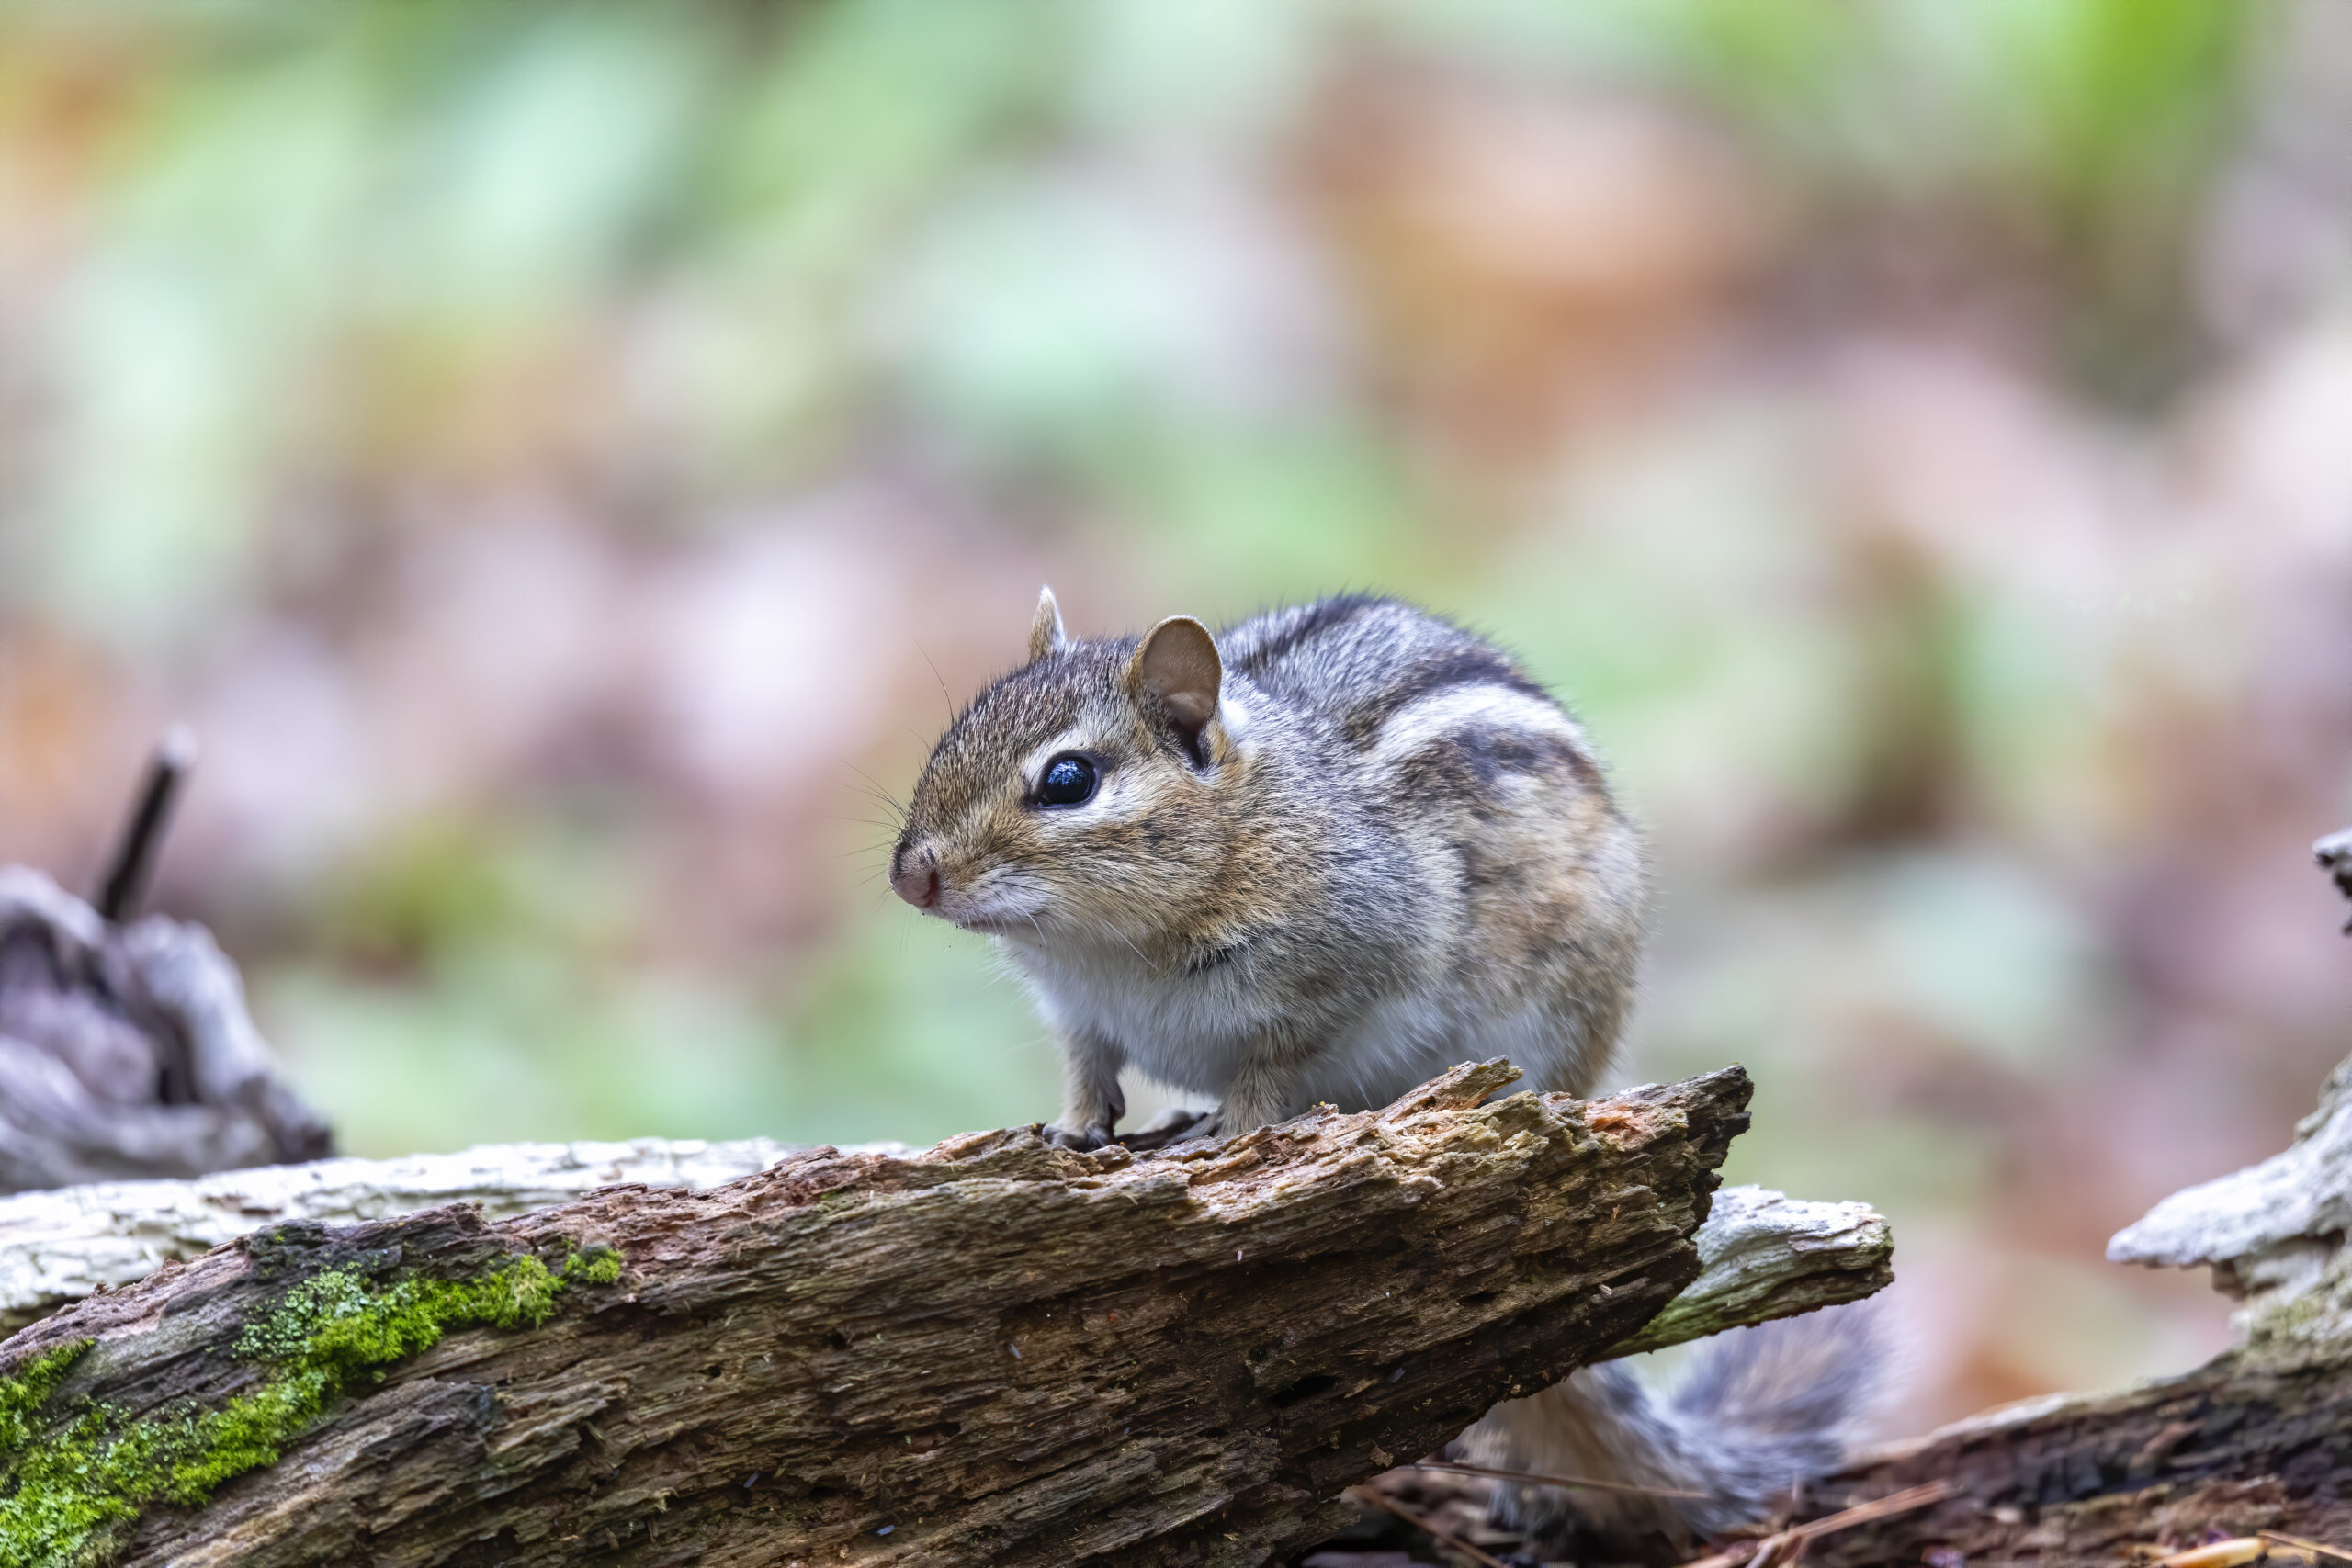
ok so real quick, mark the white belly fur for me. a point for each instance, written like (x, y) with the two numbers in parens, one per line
(1192, 1032)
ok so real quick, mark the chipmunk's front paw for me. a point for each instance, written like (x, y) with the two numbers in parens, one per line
(1078, 1138)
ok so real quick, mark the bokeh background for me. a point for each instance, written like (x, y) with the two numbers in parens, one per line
(568, 460)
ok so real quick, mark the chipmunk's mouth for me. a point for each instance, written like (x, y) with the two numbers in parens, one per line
(992, 921)
(1021, 931)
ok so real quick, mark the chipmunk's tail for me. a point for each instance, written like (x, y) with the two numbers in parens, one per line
(1762, 1410)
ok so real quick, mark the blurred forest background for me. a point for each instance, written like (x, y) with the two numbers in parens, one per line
(567, 459)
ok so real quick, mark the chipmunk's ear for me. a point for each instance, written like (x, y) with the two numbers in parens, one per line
(1046, 634)
(1177, 667)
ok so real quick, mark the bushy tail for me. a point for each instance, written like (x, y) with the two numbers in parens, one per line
(1761, 1410)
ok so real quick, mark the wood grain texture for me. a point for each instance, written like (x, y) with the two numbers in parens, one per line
(59, 1244)
(992, 1352)
(1763, 1253)
(2260, 1437)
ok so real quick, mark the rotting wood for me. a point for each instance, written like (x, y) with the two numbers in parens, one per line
(2252, 1441)
(1762, 1254)
(992, 1352)
(1768, 1255)
(2259, 1438)
(61, 1244)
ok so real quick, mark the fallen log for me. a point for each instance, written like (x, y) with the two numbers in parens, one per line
(1761, 1254)
(2259, 1439)
(991, 1352)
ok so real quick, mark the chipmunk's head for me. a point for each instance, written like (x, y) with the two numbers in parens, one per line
(1077, 799)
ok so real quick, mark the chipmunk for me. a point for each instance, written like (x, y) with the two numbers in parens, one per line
(1322, 856)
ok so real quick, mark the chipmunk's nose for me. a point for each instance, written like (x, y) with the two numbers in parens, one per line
(915, 878)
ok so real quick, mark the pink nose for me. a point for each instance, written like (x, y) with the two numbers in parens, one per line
(916, 880)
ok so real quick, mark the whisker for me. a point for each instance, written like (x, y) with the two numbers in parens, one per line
(879, 793)
(935, 675)
(1123, 937)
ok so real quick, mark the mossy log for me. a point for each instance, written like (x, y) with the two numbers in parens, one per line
(61, 1244)
(1763, 1253)
(992, 1352)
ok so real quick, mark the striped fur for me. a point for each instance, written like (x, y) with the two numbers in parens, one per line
(1386, 851)
(1399, 855)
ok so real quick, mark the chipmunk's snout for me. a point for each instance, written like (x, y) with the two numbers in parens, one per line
(915, 877)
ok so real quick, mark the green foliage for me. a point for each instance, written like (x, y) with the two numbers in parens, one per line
(76, 1479)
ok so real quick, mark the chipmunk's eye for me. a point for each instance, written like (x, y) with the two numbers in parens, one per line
(1067, 781)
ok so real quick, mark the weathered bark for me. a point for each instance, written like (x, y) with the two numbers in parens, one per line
(1762, 1255)
(993, 1352)
(2259, 1438)
(59, 1246)
(126, 1050)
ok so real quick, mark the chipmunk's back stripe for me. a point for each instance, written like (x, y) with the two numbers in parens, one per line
(1306, 624)
(1468, 666)
(1450, 710)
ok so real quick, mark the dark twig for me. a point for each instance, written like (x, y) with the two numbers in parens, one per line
(135, 853)
(1530, 1478)
(1797, 1536)
(2316, 1549)
(1438, 1531)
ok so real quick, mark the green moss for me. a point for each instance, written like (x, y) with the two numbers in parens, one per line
(25, 1391)
(73, 1481)
(594, 1264)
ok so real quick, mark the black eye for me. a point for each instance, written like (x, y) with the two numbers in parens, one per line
(1068, 781)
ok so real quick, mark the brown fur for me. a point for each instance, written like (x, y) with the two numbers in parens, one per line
(1337, 850)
